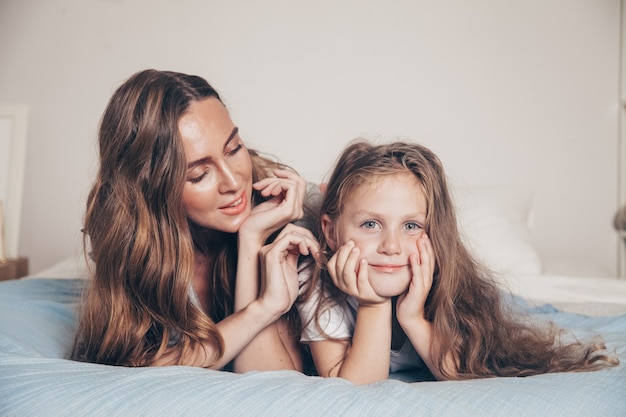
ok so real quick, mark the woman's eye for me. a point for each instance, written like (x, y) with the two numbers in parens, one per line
(235, 149)
(197, 177)
(370, 224)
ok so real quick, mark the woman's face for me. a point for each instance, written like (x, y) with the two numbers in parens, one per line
(384, 219)
(218, 188)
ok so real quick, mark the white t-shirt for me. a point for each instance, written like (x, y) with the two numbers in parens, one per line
(338, 322)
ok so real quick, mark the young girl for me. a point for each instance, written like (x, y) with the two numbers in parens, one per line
(394, 274)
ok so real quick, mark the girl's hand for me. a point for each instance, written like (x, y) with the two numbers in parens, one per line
(350, 275)
(286, 192)
(411, 304)
(279, 267)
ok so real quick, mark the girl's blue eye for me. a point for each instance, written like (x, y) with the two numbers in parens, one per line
(412, 226)
(370, 224)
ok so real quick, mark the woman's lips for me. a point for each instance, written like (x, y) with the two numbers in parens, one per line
(236, 206)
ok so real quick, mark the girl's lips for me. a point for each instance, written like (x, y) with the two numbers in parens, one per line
(236, 206)
(388, 268)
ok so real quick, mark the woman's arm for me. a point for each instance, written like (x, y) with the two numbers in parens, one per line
(286, 192)
(257, 329)
(237, 330)
(274, 347)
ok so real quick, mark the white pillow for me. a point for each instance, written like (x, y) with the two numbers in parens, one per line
(495, 224)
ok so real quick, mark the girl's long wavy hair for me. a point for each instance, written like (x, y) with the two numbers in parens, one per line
(471, 321)
(138, 235)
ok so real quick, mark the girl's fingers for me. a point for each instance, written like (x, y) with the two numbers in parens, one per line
(342, 272)
(337, 262)
(422, 263)
(427, 256)
(363, 282)
(416, 270)
(350, 269)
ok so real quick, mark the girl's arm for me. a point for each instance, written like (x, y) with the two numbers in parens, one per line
(365, 358)
(419, 331)
(410, 308)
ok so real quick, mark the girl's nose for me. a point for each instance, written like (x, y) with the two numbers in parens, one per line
(390, 245)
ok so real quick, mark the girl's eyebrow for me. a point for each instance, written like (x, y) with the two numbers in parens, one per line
(366, 212)
(202, 161)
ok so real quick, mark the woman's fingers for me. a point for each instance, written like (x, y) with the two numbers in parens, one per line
(286, 192)
(287, 189)
(297, 241)
(292, 228)
(282, 174)
(279, 263)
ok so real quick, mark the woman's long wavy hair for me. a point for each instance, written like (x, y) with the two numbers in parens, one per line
(471, 321)
(138, 234)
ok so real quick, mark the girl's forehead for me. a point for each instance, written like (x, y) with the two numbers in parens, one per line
(372, 183)
(384, 185)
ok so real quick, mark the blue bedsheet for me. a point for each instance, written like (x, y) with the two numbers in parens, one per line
(37, 319)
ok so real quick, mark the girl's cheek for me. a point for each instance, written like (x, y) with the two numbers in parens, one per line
(413, 246)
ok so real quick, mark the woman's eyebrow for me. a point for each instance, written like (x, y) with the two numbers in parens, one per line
(208, 158)
(232, 135)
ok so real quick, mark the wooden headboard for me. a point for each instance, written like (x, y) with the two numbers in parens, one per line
(12, 159)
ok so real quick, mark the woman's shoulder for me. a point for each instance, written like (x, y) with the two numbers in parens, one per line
(312, 202)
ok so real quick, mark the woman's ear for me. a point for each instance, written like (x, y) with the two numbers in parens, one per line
(328, 228)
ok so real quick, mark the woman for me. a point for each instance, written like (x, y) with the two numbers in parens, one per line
(176, 221)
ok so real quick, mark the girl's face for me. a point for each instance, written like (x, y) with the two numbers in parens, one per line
(384, 219)
(218, 188)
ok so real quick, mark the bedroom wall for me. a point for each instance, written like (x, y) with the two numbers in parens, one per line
(520, 92)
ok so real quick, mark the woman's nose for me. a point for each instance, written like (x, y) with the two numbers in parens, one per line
(229, 179)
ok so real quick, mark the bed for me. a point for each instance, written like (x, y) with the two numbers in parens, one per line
(38, 316)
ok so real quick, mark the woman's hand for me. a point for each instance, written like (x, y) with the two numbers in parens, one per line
(350, 275)
(279, 267)
(286, 192)
(411, 304)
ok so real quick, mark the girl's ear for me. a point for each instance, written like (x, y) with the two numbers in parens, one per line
(328, 228)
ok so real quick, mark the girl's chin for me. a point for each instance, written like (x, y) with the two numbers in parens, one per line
(390, 286)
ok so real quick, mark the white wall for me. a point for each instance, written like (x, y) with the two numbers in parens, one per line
(522, 92)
